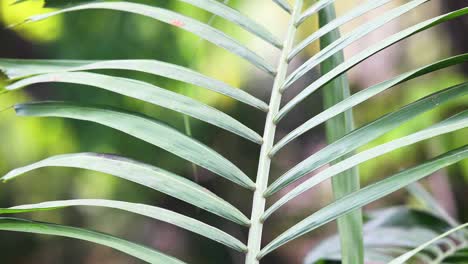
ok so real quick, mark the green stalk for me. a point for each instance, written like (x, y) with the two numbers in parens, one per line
(350, 225)
(188, 132)
(258, 205)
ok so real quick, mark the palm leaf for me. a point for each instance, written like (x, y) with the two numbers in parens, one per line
(344, 41)
(141, 209)
(148, 93)
(58, 3)
(144, 128)
(344, 139)
(312, 10)
(15, 69)
(200, 29)
(365, 54)
(451, 124)
(363, 95)
(224, 11)
(212, 6)
(143, 174)
(132, 249)
(284, 5)
(365, 134)
(365, 196)
(336, 23)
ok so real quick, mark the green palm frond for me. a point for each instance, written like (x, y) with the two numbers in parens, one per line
(341, 153)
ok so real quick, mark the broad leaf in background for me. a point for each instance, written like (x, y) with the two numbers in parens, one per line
(396, 228)
(405, 257)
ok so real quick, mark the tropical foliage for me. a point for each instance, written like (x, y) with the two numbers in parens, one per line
(393, 231)
(340, 154)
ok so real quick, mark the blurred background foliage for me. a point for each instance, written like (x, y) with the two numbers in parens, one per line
(97, 35)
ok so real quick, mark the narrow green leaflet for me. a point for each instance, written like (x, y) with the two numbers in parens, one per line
(146, 129)
(336, 23)
(161, 214)
(213, 6)
(405, 257)
(17, 68)
(451, 124)
(347, 40)
(284, 5)
(228, 13)
(365, 196)
(365, 54)
(365, 134)
(143, 174)
(148, 93)
(312, 10)
(363, 95)
(138, 251)
(58, 3)
(20, 68)
(200, 29)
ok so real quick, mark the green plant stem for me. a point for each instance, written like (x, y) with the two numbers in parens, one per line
(350, 225)
(258, 205)
(188, 132)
